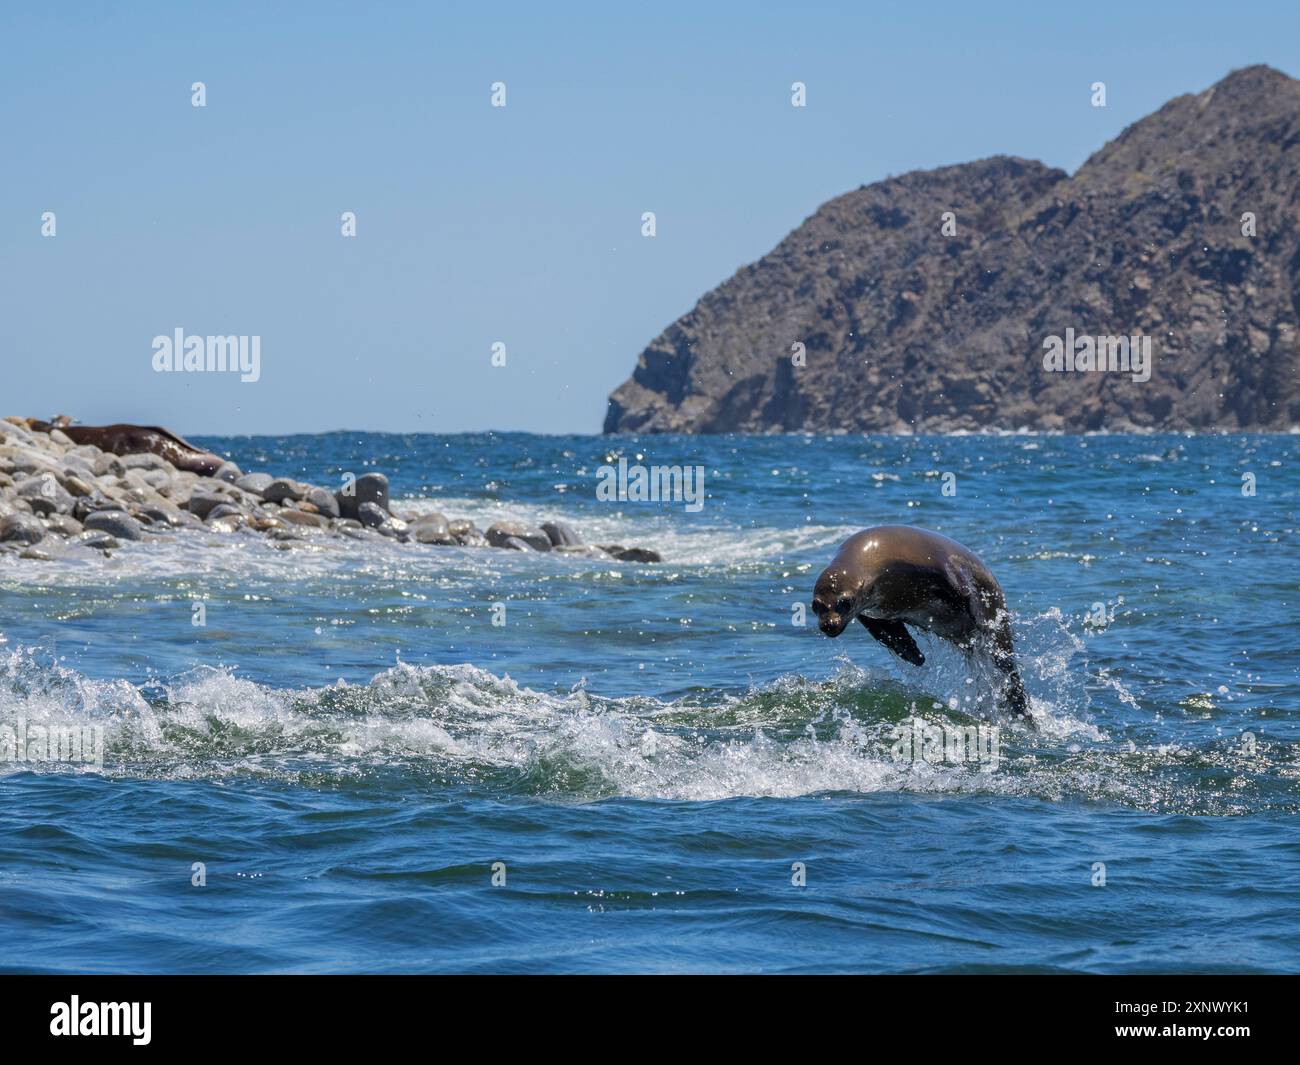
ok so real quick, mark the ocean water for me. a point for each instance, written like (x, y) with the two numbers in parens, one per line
(674, 776)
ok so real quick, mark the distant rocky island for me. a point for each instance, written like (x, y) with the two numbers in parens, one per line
(924, 303)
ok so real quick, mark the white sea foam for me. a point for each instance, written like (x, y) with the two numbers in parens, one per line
(192, 554)
(464, 725)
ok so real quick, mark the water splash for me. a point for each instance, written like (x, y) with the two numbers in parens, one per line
(462, 725)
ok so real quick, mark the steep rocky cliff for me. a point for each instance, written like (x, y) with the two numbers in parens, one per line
(908, 329)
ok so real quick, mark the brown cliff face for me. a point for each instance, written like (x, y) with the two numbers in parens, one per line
(907, 329)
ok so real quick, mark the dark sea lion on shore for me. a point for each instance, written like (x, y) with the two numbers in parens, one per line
(122, 439)
(892, 576)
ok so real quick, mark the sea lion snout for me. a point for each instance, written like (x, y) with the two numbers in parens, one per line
(832, 624)
(834, 608)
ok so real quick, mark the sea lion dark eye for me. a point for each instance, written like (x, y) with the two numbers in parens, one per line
(844, 605)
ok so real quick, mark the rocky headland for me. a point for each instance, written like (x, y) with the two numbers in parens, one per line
(922, 303)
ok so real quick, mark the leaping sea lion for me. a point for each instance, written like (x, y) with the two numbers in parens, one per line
(892, 576)
(124, 439)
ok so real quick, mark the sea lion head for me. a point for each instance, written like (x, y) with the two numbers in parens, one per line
(836, 599)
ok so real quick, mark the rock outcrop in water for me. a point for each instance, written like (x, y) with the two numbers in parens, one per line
(908, 329)
(60, 498)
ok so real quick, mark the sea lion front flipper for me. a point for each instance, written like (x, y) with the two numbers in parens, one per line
(894, 635)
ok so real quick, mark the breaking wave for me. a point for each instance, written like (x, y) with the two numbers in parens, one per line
(459, 725)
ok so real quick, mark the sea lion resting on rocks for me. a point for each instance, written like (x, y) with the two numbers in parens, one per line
(891, 576)
(65, 487)
(123, 439)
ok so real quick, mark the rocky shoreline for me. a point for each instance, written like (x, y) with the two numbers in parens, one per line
(60, 498)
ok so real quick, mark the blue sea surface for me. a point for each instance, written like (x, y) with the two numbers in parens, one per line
(407, 758)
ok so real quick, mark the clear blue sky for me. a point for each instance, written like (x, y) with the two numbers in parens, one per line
(479, 225)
